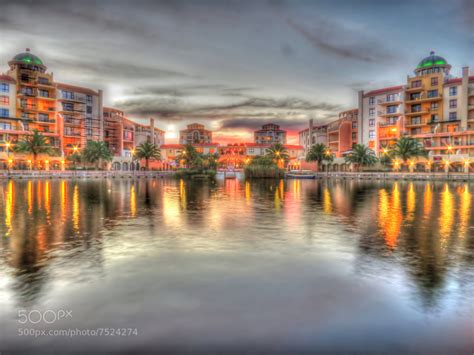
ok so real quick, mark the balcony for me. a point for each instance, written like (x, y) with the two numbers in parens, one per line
(388, 124)
(397, 100)
(415, 88)
(424, 99)
(415, 123)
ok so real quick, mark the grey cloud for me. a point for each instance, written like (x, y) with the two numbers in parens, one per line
(327, 38)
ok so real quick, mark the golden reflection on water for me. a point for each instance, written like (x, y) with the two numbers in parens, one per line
(182, 194)
(427, 201)
(247, 192)
(47, 199)
(63, 199)
(464, 210)
(133, 200)
(390, 215)
(30, 196)
(9, 206)
(411, 202)
(75, 208)
(327, 203)
(446, 217)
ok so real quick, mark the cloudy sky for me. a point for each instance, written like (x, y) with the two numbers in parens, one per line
(235, 65)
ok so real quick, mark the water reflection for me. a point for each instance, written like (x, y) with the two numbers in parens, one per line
(57, 233)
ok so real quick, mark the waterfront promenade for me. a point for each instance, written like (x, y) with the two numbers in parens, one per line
(68, 174)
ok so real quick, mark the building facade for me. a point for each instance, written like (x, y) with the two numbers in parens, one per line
(195, 133)
(433, 107)
(270, 134)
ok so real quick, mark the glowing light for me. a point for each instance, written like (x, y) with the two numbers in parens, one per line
(446, 214)
(75, 208)
(464, 212)
(133, 201)
(75, 148)
(327, 203)
(9, 206)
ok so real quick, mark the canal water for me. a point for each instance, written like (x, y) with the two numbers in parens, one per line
(233, 266)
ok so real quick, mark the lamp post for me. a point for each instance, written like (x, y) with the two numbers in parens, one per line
(328, 154)
(133, 161)
(9, 162)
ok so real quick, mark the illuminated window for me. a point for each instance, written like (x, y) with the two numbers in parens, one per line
(4, 100)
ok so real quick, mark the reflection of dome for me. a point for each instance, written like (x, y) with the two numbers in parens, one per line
(433, 61)
(27, 58)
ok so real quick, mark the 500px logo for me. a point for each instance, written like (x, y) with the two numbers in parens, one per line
(48, 316)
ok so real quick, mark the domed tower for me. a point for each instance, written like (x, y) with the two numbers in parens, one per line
(432, 64)
(35, 96)
(27, 60)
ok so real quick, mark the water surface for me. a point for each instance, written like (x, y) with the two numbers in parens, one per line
(234, 266)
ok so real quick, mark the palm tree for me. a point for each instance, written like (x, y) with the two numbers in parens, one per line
(34, 144)
(75, 158)
(407, 148)
(319, 153)
(278, 153)
(97, 152)
(147, 151)
(361, 155)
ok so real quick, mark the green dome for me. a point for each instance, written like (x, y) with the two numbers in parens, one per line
(432, 61)
(26, 58)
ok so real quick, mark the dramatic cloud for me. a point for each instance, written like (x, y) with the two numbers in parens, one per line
(234, 64)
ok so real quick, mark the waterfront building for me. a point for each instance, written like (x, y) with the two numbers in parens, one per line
(67, 115)
(270, 134)
(195, 133)
(313, 135)
(433, 107)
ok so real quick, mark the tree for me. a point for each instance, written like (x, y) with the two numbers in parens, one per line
(319, 153)
(147, 151)
(75, 158)
(34, 144)
(407, 148)
(190, 157)
(211, 161)
(361, 155)
(96, 152)
(278, 153)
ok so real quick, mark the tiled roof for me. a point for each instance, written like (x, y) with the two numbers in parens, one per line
(77, 89)
(4, 77)
(381, 91)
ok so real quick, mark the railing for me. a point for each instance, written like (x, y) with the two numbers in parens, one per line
(59, 174)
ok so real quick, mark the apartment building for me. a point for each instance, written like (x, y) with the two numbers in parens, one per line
(270, 134)
(195, 133)
(433, 106)
(67, 115)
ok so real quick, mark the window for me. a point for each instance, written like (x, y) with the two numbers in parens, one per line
(416, 84)
(391, 97)
(89, 109)
(371, 111)
(4, 125)
(67, 95)
(415, 108)
(354, 125)
(371, 134)
(27, 91)
(432, 93)
(453, 91)
(43, 117)
(68, 106)
(354, 136)
(453, 103)
(372, 122)
(89, 131)
(4, 87)
(415, 96)
(43, 93)
(89, 99)
(371, 100)
(251, 150)
(416, 120)
(4, 100)
(434, 105)
(392, 109)
(434, 118)
(434, 81)
(453, 116)
(43, 81)
(4, 112)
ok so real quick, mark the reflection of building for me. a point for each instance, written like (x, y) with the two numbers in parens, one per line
(270, 134)
(195, 133)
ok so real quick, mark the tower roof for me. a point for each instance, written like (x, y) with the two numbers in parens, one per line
(432, 61)
(27, 58)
